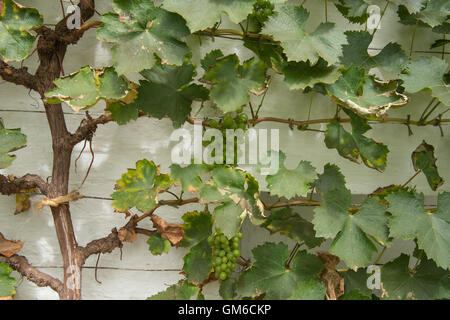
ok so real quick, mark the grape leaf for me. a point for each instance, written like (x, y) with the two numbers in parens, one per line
(232, 82)
(330, 179)
(183, 290)
(227, 289)
(363, 94)
(309, 290)
(84, 88)
(10, 140)
(158, 245)
(428, 73)
(439, 43)
(7, 283)
(354, 10)
(168, 91)
(391, 60)
(356, 281)
(423, 159)
(351, 231)
(188, 176)
(289, 183)
(209, 59)
(299, 75)
(356, 145)
(432, 229)
(269, 274)
(413, 6)
(197, 226)
(16, 21)
(426, 283)
(194, 11)
(435, 12)
(198, 262)
(122, 114)
(139, 31)
(292, 225)
(140, 187)
(272, 55)
(288, 27)
(227, 186)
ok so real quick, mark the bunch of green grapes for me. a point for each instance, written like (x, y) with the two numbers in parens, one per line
(238, 121)
(262, 9)
(225, 254)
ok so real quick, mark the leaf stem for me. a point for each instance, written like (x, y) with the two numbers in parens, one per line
(413, 37)
(411, 179)
(381, 254)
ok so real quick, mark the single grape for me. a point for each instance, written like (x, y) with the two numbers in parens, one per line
(234, 259)
(217, 274)
(228, 122)
(213, 123)
(243, 118)
(230, 255)
(236, 253)
(230, 265)
(224, 260)
(236, 245)
(239, 235)
(218, 268)
(222, 253)
(223, 276)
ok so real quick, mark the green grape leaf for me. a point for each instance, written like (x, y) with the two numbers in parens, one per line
(16, 21)
(272, 55)
(428, 282)
(363, 94)
(289, 183)
(356, 145)
(288, 27)
(431, 229)
(336, 137)
(10, 140)
(332, 213)
(198, 262)
(439, 43)
(352, 244)
(354, 11)
(232, 82)
(428, 73)
(330, 179)
(84, 88)
(309, 290)
(139, 31)
(351, 231)
(269, 274)
(194, 11)
(122, 114)
(140, 187)
(354, 295)
(158, 245)
(227, 289)
(209, 59)
(299, 75)
(188, 177)
(391, 60)
(7, 283)
(292, 225)
(183, 290)
(356, 281)
(197, 226)
(423, 159)
(413, 6)
(227, 186)
(169, 91)
(435, 13)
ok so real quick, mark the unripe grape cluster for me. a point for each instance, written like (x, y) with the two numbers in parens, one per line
(239, 121)
(262, 9)
(225, 254)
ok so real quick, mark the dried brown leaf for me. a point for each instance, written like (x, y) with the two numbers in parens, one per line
(22, 202)
(170, 231)
(9, 248)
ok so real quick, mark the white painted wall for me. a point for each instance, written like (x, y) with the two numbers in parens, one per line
(140, 274)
